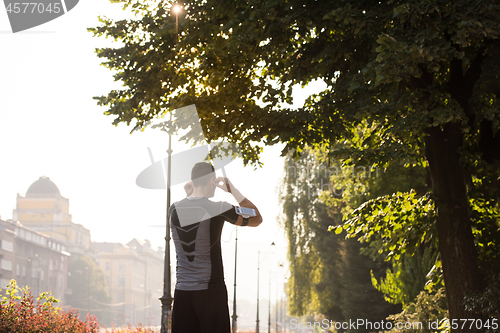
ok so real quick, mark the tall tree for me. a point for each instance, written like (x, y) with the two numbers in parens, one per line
(421, 77)
(329, 275)
(89, 292)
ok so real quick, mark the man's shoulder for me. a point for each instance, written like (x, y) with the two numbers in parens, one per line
(204, 203)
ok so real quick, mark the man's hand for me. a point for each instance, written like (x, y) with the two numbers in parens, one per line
(226, 185)
(189, 188)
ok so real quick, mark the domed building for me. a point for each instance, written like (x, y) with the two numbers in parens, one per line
(44, 209)
(43, 186)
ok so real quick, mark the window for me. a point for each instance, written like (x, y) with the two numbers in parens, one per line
(51, 266)
(18, 269)
(122, 266)
(7, 246)
(106, 265)
(24, 270)
(4, 282)
(121, 281)
(6, 264)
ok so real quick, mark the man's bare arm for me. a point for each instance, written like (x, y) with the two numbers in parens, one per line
(242, 201)
(252, 221)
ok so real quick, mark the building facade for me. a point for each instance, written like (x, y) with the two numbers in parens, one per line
(33, 259)
(41, 241)
(44, 209)
(134, 274)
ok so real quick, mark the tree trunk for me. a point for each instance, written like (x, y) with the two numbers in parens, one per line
(456, 242)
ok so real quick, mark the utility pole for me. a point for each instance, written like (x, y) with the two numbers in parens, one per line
(234, 297)
(166, 299)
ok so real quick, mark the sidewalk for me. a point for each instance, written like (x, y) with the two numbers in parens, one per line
(156, 329)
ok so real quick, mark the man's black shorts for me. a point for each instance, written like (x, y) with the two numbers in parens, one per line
(201, 311)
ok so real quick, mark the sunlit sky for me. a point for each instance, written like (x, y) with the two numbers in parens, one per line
(51, 126)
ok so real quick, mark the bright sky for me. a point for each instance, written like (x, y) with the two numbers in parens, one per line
(51, 126)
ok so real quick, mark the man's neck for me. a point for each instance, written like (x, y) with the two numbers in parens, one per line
(199, 192)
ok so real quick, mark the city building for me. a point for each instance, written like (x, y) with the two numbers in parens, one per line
(134, 274)
(39, 246)
(44, 209)
(33, 259)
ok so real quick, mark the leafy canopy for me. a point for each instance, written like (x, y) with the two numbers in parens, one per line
(392, 68)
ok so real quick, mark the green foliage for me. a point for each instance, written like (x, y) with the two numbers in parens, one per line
(328, 274)
(88, 285)
(484, 193)
(299, 200)
(395, 224)
(407, 278)
(386, 65)
(486, 301)
(427, 308)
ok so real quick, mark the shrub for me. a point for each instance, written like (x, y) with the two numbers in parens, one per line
(20, 314)
(486, 302)
(427, 308)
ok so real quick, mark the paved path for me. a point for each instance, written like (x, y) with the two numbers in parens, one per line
(155, 328)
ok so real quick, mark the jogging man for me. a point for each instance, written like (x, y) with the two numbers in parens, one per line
(200, 297)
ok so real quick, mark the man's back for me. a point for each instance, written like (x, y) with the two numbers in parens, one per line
(196, 225)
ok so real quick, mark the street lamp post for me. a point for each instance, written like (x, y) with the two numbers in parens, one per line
(257, 321)
(166, 299)
(282, 315)
(88, 288)
(285, 306)
(234, 316)
(283, 310)
(269, 307)
(277, 307)
(277, 289)
(37, 274)
(258, 268)
(177, 9)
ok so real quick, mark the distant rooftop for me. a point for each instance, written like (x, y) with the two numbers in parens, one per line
(43, 186)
